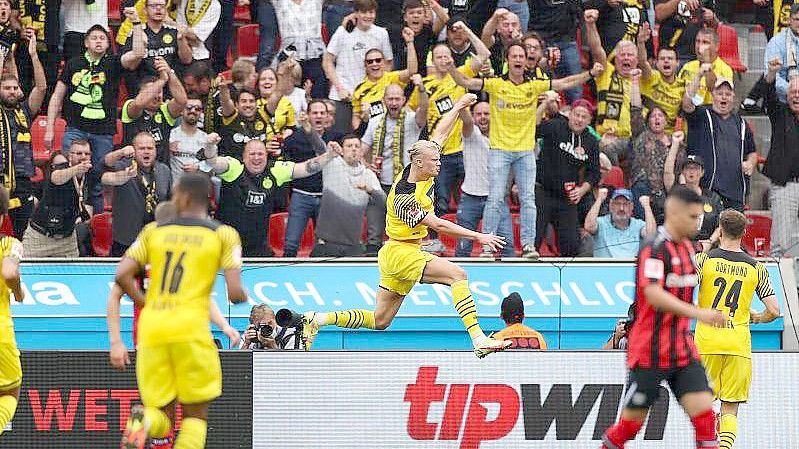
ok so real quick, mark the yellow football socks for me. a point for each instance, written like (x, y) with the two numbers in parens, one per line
(728, 429)
(464, 304)
(160, 424)
(352, 319)
(8, 405)
(192, 434)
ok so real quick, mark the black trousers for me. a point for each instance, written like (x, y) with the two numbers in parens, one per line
(555, 209)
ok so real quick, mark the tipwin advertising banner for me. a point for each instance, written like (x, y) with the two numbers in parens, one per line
(515, 399)
(550, 289)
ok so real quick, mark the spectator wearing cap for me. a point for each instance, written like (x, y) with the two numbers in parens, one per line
(568, 168)
(343, 60)
(781, 166)
(649, 148)
(459, 43)
(706, 49)
(521, 336)
(619, 234)
(691, 172)
(723, 140)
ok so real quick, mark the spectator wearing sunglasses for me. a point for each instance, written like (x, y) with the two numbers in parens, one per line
(187, 142)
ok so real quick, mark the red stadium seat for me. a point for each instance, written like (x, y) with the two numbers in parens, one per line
(247, 41)
(114, 9)
(40, 154)
(615, 177)
(122, 96)
(757, 239)
(100, 225)
(277, 232)
(7, 228)
(307, 241)
(242, 13)
(728, 47)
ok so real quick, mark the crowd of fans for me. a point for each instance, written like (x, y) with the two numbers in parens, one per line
(319, 123)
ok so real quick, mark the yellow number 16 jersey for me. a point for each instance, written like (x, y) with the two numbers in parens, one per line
(728, 280)
(184, 257)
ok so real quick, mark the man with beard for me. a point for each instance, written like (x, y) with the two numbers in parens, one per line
(15, 138)
(350, 187)
(619, 234)
(87, 90)
(389, 136)
(248, 190)
(722, 139)
(140, 183)
(149, 112)
(187, 142)
(660, 87)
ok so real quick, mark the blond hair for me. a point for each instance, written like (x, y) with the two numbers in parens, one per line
(422, 145)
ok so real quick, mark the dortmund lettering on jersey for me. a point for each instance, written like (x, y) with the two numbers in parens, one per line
(9, 247)
(406, 206)
(728, 281)
(184, 257)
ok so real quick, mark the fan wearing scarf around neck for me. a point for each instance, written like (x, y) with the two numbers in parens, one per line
(390, 135)
(15, 137)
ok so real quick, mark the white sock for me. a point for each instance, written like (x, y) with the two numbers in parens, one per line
(320, 318)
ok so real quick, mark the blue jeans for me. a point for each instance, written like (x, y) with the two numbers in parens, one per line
(569, 65)
(500, 164)
(470, 211)
(333, 15)
(451, 172)
(521, 9)
(101, 144)
(267, 27)
(302, 208)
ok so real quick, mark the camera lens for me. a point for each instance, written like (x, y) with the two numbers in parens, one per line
(265, 331)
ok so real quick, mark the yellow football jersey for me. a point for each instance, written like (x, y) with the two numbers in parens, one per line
(720, 68)
(369, 94)
(728, 280)
(444, 93)
(184, 257)
(284, 116)
(513, 109)
(406, 206)
(9, 247)
(656, 91)
(613, 103)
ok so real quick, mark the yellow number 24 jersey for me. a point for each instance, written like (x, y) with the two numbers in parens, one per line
(184, 255)
(728, 280)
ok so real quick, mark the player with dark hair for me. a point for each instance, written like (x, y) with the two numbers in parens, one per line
(661, 346)
(728, 278)
(177, 360)
(401, 260)
(10, 367)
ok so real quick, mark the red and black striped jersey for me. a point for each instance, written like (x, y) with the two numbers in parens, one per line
(660, 339)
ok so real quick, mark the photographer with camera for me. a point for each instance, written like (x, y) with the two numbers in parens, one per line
(618, 340)
(268, 330)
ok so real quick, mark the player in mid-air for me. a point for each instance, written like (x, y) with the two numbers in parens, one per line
(660, 344)
(402, 262)
(176, 360)
(728, 279)
(10, 367)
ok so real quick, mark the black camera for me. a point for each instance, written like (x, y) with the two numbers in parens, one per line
(286, 318)
(264, 330)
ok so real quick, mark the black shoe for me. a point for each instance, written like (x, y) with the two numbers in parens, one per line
(751, 108)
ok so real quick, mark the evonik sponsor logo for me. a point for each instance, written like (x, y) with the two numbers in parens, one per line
(466, 417)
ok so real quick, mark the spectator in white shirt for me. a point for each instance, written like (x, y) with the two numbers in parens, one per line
(343, 60)
(300, 25)
(200, 21)
(187, 142)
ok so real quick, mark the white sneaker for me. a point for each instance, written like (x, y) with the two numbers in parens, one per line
(529, 252)
(433, 246)
(488, 345)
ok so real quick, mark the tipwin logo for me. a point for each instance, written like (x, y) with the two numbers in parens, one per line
(469, 423)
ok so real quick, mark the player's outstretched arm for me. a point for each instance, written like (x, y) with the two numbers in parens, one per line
(119, 353)
(10, 271)
(126, 279)
(771, 313)
(449, 228)
(447, 122)
(219, 320)
(235, 291)
(664, 301)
